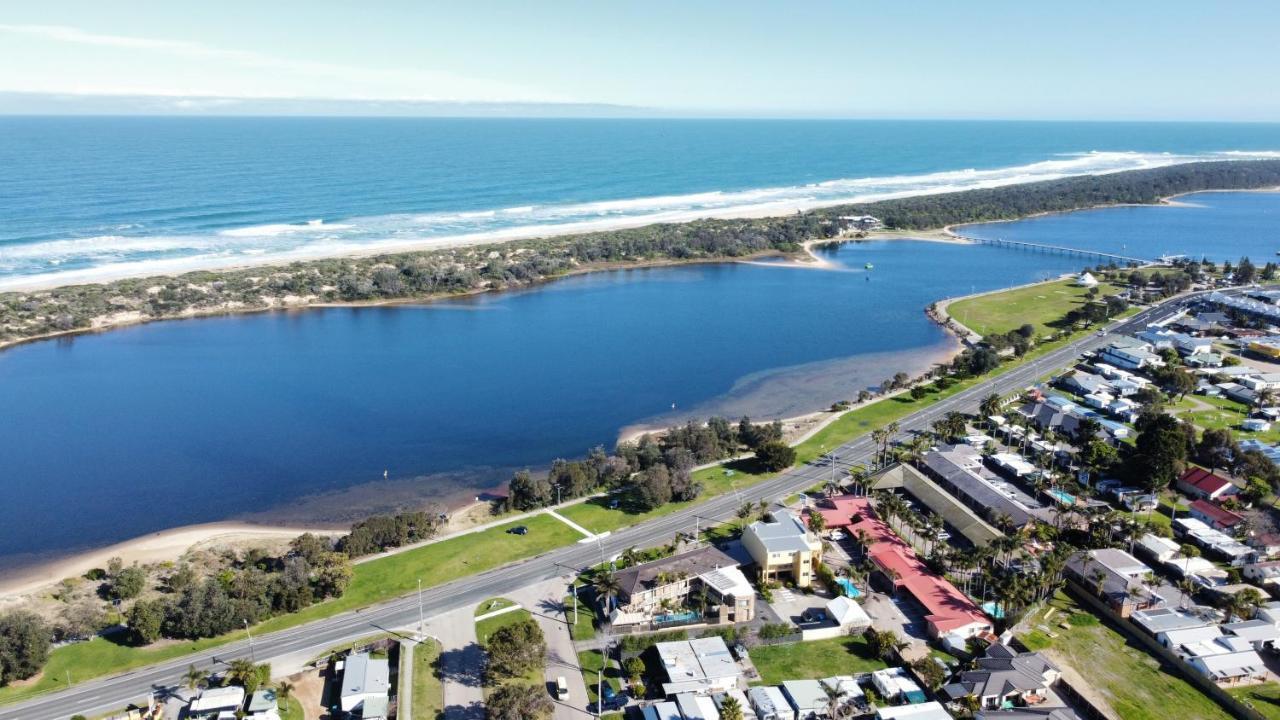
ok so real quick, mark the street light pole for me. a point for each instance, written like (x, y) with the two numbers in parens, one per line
(419, 608)
(252, 659)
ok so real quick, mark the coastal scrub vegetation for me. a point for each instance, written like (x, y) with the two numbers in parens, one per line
(452, 271)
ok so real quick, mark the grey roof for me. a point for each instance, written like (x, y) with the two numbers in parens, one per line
(695, 562)
(362, 674)
(804, 694)
(1001, 672)
(262, 701)
(785, 534)
(1158, 620)
(945, 467)
(1040, 713)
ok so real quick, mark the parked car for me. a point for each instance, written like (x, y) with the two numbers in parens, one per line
(562, 688)
(740, 651)
(813, 615)
(610, 699)
(518, 530)
(837, 535)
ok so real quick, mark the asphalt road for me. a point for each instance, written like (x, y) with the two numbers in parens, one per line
(106, 694)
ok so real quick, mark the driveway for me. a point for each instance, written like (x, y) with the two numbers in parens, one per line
(461, 663)
(543, 601)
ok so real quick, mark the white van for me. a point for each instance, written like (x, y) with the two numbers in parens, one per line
(562, 688)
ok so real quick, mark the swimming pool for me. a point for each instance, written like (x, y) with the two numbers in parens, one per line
(847, 585)
(1061, 496)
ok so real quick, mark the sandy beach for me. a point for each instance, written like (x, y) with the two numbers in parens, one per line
(166, 545)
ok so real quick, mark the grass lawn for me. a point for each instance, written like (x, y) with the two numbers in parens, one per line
(1039, 305)
(485, 628)
(582, 626)
(291, 709)
(1264, 698)
(1130, 679)
(1223, 414)
(373, 582)
(428, 693)
(812, 660)
(492, 605)
(590, 661)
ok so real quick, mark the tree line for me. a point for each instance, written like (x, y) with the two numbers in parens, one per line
(447, 271)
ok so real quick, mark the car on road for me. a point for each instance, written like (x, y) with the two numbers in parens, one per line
(518, 530)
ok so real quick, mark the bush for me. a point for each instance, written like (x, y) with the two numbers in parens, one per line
(776, 456)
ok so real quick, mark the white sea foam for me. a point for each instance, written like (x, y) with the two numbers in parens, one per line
(112, 256)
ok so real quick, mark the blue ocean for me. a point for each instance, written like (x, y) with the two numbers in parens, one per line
(92, 198)
(295, 416)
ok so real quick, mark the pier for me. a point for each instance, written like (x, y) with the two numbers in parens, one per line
(1064, 250)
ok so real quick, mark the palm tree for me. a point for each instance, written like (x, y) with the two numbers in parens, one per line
(607, 587)
(730, 709)
(858, 476)
(242, 671)
(195, 678)
(990, 405)
(1187, 588)
(1243, 603)
(631, 556)
(284, 690)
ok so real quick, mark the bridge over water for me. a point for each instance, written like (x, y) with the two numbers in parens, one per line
(1064, 250)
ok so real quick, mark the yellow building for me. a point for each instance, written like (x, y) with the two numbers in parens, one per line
(783, 548)
(1266, 348)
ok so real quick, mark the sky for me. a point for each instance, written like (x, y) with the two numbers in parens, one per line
(1167, 60)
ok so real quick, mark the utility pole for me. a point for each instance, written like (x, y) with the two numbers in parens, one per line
(419, 608)
(252, 659)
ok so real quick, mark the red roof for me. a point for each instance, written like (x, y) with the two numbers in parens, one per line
(947, 608)
(1204, 480)
(841, 511)
(1216, 513)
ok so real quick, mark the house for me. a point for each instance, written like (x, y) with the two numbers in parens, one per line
(1162, 620)
(856, 223)
(847, 691)
(1157, 548)
(947, 611)
(1116, 576)
(218, 703)
(1184, 641)
(1134, 355)
(1255, 425)
(649, 589)
(895, 685)
(697, 707)
(1239, 393)
(783, 548)
(807, 698)
(770, 704)
(702, 665)
(743, 703)
(1265, 545)
(1261, 381)
(1083, 383)
(1272, 452)
(960, 471)
(848, 614)
(1200, 483)
(263, 705)
(1262, 635)
(1005, 677)
(1216, 541)
(365, 682)
(1234, 668)
(921, 711)
(1214, 515)
(1189, 346)
(668, 711)
(1204, 360)
(1265, 574)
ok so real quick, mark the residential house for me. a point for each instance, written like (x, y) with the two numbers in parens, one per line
(783, 547)
(847, 691)
(1265, 573)
(1228, 669)
(670, 711)
(848, 614)
(1162, 620)
(1262, 635)
(1005, 677)
(1255, 425)
(770, 704)
(1116, 576)
(807, 698)
(896, 685)
(681, 581)
(1214, 515)
(702, 665)
(222, 702)
(1128, 354)
(920, 711)
(1200, 483)
(263, 705)
(697, 707)
(1083, 383)
(743, 703)
(366, 681)
(1265, 545)
(1157, 548)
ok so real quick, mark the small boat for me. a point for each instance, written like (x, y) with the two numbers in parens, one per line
(870, 266)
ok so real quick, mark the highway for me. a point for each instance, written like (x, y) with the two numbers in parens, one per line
(110, 693)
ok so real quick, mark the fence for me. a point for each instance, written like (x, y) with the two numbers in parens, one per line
(1228, 701)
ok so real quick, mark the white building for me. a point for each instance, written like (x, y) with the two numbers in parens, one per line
(365, 682)
(895, 684)
(703, 665)
(1086, 280)
(920, 711)
(220, 703)
(770, 704)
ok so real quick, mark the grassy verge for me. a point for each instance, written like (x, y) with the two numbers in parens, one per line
(811, 660)
(1133, 682)
(493, 605)
(581, 623)
(591, 661)
(291, 709)
(487, 627)
(374, 581)
(1041, 305)
(1221, 414)
(1264, 698)
(428, 693)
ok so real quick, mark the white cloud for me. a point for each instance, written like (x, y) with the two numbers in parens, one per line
(361, 83)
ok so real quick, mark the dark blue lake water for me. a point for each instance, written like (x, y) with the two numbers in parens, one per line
(109, 436)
